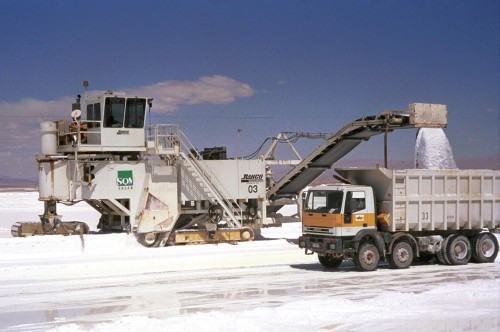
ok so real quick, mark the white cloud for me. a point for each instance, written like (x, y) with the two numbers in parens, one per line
(35, 107)
(19, 121)
(169, 95)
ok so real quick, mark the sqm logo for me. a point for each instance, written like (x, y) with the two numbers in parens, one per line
(125, 180)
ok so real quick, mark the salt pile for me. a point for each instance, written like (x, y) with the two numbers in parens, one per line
(432, 150)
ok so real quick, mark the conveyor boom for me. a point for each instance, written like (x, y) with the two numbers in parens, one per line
(347, 138)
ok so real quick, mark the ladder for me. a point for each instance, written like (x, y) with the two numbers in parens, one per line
(169, 140)
(212, 190)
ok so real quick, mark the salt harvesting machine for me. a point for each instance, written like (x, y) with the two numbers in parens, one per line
(150, 180)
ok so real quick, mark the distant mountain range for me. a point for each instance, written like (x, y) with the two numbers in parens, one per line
(6, 182)
(491, 162)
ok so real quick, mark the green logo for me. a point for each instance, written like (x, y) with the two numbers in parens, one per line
(125, 180)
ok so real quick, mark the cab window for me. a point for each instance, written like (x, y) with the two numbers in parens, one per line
(327, 201)
(90, 112)
(94, 114)
(134, 113)
(97, 113)
(355, 201)
(114, 109)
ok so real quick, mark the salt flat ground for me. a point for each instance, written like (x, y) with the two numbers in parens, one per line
(110, 282)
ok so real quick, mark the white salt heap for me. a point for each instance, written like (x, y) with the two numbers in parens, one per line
(432, 150)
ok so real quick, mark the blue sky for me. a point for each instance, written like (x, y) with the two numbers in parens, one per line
(308, 66)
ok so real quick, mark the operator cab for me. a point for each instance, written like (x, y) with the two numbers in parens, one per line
(114, 122)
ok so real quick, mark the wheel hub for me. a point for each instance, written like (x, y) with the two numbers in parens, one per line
(402, 255)
(150, 238)
(368, 257)
(487, 248)
(460, 250)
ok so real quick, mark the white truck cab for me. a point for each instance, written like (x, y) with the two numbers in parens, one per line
(341, 210)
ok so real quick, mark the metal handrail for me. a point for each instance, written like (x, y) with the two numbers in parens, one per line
(167, 136)
(80, 132)
(211, 177)
(177, 138)
(226, 205)
(162, 137)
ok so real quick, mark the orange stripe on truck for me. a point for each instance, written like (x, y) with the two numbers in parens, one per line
(337, 220)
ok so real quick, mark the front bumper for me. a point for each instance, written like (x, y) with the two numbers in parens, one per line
(326, 245)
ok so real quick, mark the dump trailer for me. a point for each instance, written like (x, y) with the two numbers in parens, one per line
(403, 215)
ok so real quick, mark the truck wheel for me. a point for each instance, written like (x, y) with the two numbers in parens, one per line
(329, 260)
(401, 256)
(458, 250)
(147, 239)
(442, 253)
(367, 257)
(484, 248)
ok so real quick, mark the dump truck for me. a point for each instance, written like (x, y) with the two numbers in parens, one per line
(402, 215)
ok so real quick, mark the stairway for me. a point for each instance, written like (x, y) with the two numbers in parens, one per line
(212, 188)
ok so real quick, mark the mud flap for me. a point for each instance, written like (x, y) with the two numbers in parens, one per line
(308, 252)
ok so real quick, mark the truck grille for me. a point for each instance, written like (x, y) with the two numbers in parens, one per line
(318, 230)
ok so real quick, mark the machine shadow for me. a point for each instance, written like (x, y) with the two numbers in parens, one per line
(259, 237)
(346, 266)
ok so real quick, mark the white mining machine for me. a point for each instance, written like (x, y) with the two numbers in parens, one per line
(151, 181)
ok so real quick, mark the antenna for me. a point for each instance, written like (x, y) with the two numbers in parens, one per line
(86, 85)
(150, 106)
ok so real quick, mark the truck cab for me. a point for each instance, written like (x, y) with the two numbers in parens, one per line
(340, 211)
(334, 219)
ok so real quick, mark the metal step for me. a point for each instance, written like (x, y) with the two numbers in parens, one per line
(211, 189)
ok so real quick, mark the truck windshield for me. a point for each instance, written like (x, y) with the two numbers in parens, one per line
(324, 201)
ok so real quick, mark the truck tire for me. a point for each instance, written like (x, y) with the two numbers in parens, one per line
(367, 257)
(458, 250)
(147, 239)
(401, 256)
(442, 253)
(330, 261)
(484, 248)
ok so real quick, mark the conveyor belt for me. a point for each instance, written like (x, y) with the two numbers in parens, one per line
(350, 136)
